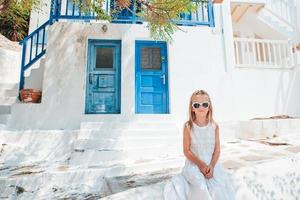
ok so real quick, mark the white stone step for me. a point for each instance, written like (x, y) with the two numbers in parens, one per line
(127, 126)
(34, 79)
(2, 125)
(9, 86)
(125, 133)
(34, 67)
(258, 129)
(7, 100)
(88, 179)
(5, 109)
(49, 185)
(103, 157)
(9, 92)
(128, 167)
(3, 120)
(148, 192)
(154, 165)
(126, 143)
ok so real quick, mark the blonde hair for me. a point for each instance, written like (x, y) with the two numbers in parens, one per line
(192, 115)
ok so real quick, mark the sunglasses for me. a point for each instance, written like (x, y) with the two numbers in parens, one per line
(198, 104)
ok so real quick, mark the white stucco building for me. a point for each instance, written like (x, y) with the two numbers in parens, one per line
(245, 53)
(114, 101)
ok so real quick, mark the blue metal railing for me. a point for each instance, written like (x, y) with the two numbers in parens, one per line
(34, 44)
(73, 11)
(70, 10)
(203, 15)
(33, 48)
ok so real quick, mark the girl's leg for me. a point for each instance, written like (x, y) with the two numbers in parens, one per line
(199, 191)
(197, 183)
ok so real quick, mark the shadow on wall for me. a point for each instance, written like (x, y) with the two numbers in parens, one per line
(288, 94)
(9, 66)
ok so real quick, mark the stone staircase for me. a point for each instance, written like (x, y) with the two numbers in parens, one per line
(128, 154)
(127, 146)
(8, 96)
(109, 157)
(9, 92)
(133, 147)
(105, 158)
(267, 16)
(34, 75)
(131, 154)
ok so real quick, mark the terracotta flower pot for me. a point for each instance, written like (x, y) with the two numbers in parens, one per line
(217, 1)
(124, 3)
(30, 96)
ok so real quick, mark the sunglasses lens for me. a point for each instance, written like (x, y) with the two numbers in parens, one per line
(196, 105)
(205, 105)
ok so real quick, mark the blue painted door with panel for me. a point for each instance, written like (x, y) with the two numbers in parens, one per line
(103, 77)
(151, 79)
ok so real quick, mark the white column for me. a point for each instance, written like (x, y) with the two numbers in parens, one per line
(227, 34)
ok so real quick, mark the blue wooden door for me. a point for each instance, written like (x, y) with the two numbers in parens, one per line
(151, 81)
(103, 77)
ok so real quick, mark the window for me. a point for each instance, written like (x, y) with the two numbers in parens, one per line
(151, 58)
(104, 57)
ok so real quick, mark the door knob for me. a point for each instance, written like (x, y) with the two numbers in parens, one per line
(164, 78)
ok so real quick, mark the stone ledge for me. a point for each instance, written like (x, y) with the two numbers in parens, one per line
(266, 128)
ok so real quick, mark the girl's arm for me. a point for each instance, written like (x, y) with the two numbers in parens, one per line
(188, 153)
(216, 153)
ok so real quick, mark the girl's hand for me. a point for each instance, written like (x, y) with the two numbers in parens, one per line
(203, 168)
(209, 168)
(209, 171)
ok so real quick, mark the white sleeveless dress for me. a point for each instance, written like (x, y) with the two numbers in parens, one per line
(191, 184)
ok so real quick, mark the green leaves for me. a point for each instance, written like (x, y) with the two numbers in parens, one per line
(160, 14)
(14, 17)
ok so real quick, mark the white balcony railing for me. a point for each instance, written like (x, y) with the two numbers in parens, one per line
(263, 53)
(285, 9)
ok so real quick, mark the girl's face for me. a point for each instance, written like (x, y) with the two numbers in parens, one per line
(200, 111)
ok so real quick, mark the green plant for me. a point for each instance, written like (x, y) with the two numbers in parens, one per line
(14, 17)
(15, 14)
(160, 14)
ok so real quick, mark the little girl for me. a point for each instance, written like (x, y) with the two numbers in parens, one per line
(202, 177)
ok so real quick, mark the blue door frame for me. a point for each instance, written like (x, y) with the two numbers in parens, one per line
(151, 78)
(103, 77)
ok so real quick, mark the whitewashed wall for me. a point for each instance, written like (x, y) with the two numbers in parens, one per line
(39, 15)
(9, 65)
(196, 61)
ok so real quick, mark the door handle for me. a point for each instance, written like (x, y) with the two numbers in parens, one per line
(91, 78)
(164, 78)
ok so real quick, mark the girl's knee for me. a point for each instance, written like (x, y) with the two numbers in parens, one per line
(199, 190)
(194, 178)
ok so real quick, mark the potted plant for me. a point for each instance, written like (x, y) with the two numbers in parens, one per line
(217, 1)
(30, 95)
